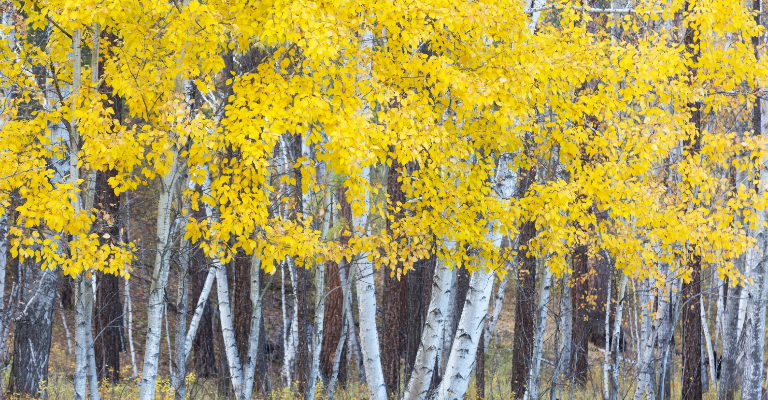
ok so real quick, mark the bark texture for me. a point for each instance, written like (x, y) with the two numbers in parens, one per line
(333, 325)
(691, 334)
(395, 291)
(32, 338)
(579, 315)
(301, 364)
(205, 354)
(461, 361)
(108, 318)
(432, 336)
(525, 297)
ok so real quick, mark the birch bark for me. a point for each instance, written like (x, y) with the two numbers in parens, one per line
(431, 336)
(156, 301)
(758, 290)
(369, 336)
(461, 361)
(532, 392)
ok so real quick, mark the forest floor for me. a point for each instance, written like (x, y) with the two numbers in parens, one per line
(498, 363)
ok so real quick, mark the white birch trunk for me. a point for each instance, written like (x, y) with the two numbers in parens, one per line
(448, 327)
(616, 337)
(82, 304)
(294, 334)
(178, 380)
(287, 331)
(461, 361)
(228, 330)
(168, 341)
(156, 299)
(719, 320)
(607, 355)
(93, 378)
(317, 340)
(674, 285)
(758, 290)
(88, 204)
(755, 334)
(532, 391)
(66, 328)
(647, 344)
(498, 303)
(566, 333)
(3, 264)
(135, 368)
(431, 336)
(344, 331)
(249, 368)
(730, 350)
(369, 336)
(193, 325)
(127, 306)
(708, 343)
(354, 343)
(743, 300)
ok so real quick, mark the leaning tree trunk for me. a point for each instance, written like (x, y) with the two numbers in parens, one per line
(32, 338)
(205, 354)
(461, 361)
(432, 334)
(156, 301)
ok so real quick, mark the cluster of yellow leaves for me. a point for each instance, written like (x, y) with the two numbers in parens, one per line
(450, 91)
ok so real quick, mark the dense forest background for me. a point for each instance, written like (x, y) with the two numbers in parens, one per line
(383, 199)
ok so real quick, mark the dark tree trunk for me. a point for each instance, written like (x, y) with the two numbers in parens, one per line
(67, 292)
(205, 354)
(415, 312)
(462, 287)
(394, 320)
(692, 330)
(525, 296)
(395, 288)
(223, 385)
(579, 314)
(480, 367)
(334, 306)
(108, 316)
(32, 338)
(691, 380)
(262, 374)
(243, 310)
(242, 303)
